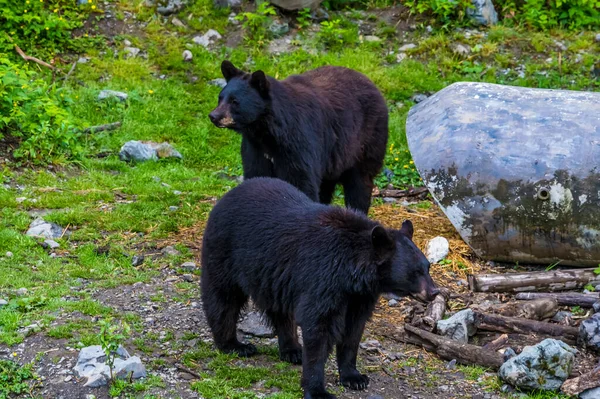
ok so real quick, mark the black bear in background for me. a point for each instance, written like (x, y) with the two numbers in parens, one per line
(308, 264)
(315, 130)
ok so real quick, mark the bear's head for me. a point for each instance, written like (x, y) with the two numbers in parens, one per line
(243, 101)
(403, 269)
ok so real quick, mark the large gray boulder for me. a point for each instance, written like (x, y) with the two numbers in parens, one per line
(543, 366)
(91, 364)
(459, 327)
(513, 168)
(483, 12)
(40, 228)
(296, 4)
(140, 151)
(589, 333)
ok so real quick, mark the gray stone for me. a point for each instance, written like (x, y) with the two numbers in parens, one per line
(296, 4)
(173, 208)
(509, 353)
(40, 228)
(177, 192)
(563, 317)
(170, 251)
(188, 277)
(253, 324)
(400, 57)
(9, 254)
(137, 260)
(543, 366)
(21, 292)
(219, 82)
(371, 345)
(208, 38)
(147, 150)
(187, 55)
(437, 249)
(91, 364)
(375, 397)
(175, 21)
(459, 327)
(51, 243)
(83, 60)
(126, 43)
(372, 38)
(483, 12)
(3, 302)
(279, 28)
(189, 266)
(406, 47)
(593, 393)
(131, 51)
(104, 94)
(233, 4)
(417, 98)
(451, 365)
(171, 7)
(461, 49)
(598, 38)
(596, 307)
(392, 302)
(589, 333)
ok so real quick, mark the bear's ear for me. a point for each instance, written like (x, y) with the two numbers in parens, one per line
(229, 70)
(407, 229)
(260, 82)
(383, 245)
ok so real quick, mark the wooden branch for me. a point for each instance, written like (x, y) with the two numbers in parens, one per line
(555, 280)
(496, 344)
(491, 322)
(30, 58)
(70, 72)
(411, 192)
(448, 349)
(186, 370)
(586, 381)
(101, 128)
(435, 311)
(566, 299)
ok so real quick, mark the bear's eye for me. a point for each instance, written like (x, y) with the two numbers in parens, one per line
(233, 101)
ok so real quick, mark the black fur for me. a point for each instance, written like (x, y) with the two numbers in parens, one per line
(315, 130)
(303, 263)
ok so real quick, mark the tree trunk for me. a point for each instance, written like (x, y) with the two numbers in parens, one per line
(555, 280)
(586, 381)
(490, 322)
(566, 299)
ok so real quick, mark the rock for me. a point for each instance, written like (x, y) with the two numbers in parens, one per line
(461, 49)
(188, 277)
(83, 60)
(131, 52)
(319, 15)
(296, 4)
(91, 364)
(375, 397)
(51, 243)
(417, 98)
(208, 38)
(451, 365)
(406, 47)
(40, 228)
(126, 43)
(563, 317)
(189, 266)
(437, 249)
(372, 38)
(171, 7)
(544, 366)
(371, 345)
(177, 23)
(147, 150)
(170, 251)
(400, 57)
(589, 333)
(173, 208)
(598, 38)
(219, 82)
(278, 28)
(20, 200)
(560, 45)
(459, 327)
(483, 12)
(137, 260)
(104, 94)
(593, 393)
(596, 307)
(233, 4)
(509, 353)
(21, 292)
(253, 324)
(3, 302)
(187, 55)
(538, 309)
(177, 192)
(9, 254)
(392, 302)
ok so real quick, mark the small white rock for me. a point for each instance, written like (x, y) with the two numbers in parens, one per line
(187, 55)
(9, 254)
(407, 47)
(177, 23)
(127, 43)
(437, 249)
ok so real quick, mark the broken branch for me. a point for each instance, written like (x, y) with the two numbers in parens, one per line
(491, 322)
(411, 192)
(30, 58)
(496, 344)
(448, 349)
(555, 280)
(435, 311)
(566, 299)
(584, 382)
(101, 128)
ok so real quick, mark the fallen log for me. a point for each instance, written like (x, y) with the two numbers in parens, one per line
(563, 299)
(554, 280)
(538, 309)
(496, 344)
(411, 192)
(101, 128)
(586, 381)
(491, 322)
(435, 311)
(448, 349)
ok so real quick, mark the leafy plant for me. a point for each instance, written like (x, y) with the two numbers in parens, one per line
(111, 337)
(590, 288)
(445, 11)
(542, 14)
(257, 23)
(597, 270)
(37, 114)
(14, 379)
(304, 18)
(336, 33)
(401, 171)
(553, 265)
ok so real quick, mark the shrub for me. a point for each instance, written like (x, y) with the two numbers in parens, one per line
(545, 14)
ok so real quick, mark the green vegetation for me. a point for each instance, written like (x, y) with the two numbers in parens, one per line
(15, 380)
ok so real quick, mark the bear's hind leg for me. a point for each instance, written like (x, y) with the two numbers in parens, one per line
(358, 188)
(326, 191)
(290, 349)
(222, 309)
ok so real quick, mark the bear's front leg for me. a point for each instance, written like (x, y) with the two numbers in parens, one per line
(317, 347)
(347, 352)
(254, 162)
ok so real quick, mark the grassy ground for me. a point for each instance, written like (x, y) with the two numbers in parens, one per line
(112, 209)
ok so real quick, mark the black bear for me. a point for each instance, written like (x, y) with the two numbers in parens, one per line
(303, 263)
(315, 130)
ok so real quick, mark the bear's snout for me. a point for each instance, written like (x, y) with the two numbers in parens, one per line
(221, 118)
(428, 290)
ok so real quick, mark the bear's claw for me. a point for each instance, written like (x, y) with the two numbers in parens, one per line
(357, 382)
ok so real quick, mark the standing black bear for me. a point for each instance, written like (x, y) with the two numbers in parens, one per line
(303, 263)
(315, 130)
